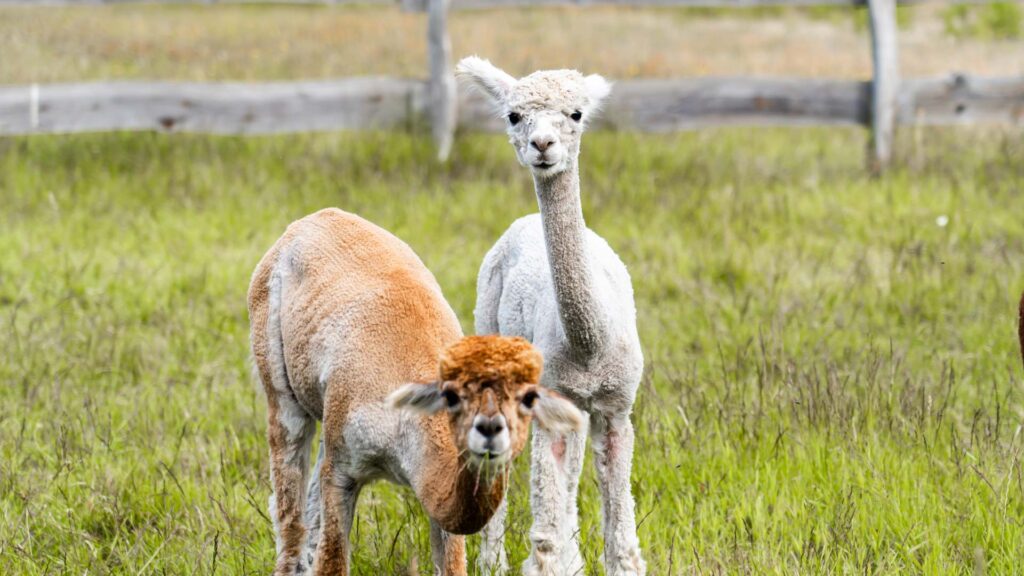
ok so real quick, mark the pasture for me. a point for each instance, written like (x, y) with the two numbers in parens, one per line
(833, 383)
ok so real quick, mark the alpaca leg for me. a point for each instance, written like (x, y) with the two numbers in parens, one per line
(312, 516)
(338, 506)
(547, 503)
(290, 432)
(613, 456)
(492, 560)
(574, 452)
(448, 552)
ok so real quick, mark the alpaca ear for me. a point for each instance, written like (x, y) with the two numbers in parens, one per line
(597, 89)
(554, 412)
(420, 398)
(486, 77)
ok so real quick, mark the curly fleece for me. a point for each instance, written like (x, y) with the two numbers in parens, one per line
(343, 316)
(484, 358)
(555, 282)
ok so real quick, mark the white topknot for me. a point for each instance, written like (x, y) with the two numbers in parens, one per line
(544, 89)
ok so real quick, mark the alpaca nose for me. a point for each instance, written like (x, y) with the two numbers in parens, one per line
(543, 142)
(489, 427)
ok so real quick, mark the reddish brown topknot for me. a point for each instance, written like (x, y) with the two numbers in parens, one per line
(491, 358)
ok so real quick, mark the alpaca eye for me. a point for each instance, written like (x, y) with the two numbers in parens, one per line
(529, 398)
(451, 399)
(576, 116)
(514, 118)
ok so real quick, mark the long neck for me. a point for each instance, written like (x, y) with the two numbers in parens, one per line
(561, 210)
(454, 495)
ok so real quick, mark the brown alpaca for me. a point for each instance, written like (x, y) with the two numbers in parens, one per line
(349, 327)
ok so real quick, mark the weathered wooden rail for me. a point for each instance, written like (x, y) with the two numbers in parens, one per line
(648, 105)
(381, 103)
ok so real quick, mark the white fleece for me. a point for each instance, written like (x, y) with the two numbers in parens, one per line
(553, 281)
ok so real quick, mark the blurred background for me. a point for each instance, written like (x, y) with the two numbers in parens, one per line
(280, 42)
(833, 382)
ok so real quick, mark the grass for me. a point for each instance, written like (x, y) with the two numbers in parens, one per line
(232, 42)
(998, 20)
(832, 379)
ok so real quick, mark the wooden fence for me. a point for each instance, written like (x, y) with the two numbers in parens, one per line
(649, 105)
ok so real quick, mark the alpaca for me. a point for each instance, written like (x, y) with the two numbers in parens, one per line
(556, 283)
(348, 327)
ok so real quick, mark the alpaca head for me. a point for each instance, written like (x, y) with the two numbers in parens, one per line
(489, 389)
(544, 113)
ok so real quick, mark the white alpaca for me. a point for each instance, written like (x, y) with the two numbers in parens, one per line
(556, 283)
(347, 327)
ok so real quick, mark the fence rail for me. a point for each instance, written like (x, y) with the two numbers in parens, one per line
(216, 107)
(650, 105)
(381, 103)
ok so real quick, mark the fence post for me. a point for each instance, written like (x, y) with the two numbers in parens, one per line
(442, 79)
(885, 81)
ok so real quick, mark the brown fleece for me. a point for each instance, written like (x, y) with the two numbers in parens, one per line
(334, 264)
(490, 374)
(459, 499)
(489, 358)
(332, 553)
(357, 299)
(452, 549)
(288, 485)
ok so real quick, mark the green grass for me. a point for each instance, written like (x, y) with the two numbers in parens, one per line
(225, 42)
(832, 384)
(996, 21)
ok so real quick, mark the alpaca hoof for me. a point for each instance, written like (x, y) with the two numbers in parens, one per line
(304, 566)
(533, 570)
(572, 562)
(285, 568)
(540, 567)
(628, 564)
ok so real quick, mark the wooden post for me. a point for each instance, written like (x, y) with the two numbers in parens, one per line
(33, 107)
(885, 82)
(442, 78)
